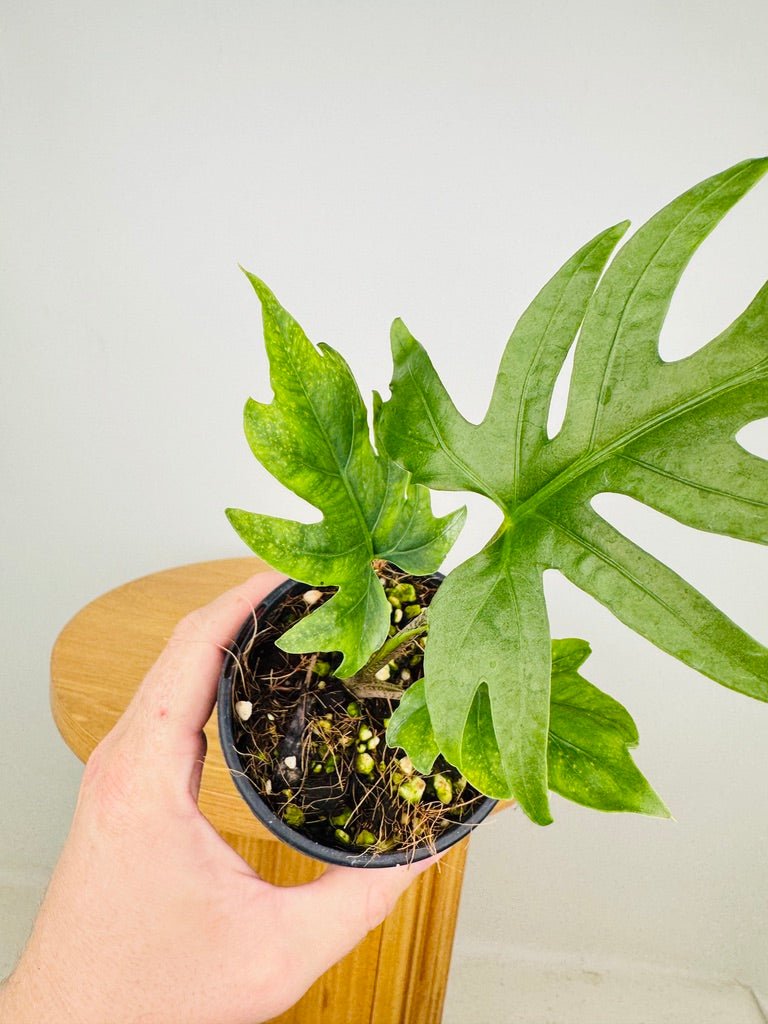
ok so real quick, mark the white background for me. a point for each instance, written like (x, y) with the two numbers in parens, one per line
(436, 161)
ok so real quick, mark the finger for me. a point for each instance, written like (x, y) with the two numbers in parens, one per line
(179, 691)
(342, 906)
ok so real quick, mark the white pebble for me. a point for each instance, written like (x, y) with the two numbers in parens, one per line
(244, 710)
(312, 596)
(290, 762)
(383, 674)
(268, 787)
(270, 716)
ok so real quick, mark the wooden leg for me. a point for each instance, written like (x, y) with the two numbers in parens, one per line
(399, 973)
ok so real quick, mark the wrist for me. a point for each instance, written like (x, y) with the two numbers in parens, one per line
(15, 1006)
(26, 998)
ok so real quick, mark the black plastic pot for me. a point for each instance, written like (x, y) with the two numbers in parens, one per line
(265, 814)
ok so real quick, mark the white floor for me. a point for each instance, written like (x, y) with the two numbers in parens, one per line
(488, 989)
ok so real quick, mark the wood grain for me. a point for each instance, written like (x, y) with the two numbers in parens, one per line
(398, 974)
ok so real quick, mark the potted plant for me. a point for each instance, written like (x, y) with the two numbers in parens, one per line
(380, 710)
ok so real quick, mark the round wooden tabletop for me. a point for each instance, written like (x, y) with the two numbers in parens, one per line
(104, 652)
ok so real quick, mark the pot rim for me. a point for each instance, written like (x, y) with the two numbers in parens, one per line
(264, 813)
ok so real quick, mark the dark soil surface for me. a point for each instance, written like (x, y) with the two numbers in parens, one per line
(318, 756)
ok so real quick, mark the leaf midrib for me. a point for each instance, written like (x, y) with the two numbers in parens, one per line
(706, 198)
(481, 487)
(706, 488)
(342, 477)
(590, 755)
(533, 365)
(615, 564)
(595, 716)
(585, 464)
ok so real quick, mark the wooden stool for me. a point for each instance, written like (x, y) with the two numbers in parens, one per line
(398, 974)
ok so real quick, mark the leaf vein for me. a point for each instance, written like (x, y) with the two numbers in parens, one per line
(708, 488)
(530, 371)
(612, 348)
(622, 570)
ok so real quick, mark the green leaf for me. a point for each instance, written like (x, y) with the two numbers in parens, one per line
(587, 746)
(663, 433)
(410, 728)
(314, 438)
(569, 655)
(588, 755)
(481, 647)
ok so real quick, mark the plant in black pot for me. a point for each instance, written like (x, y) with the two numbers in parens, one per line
(373, 711)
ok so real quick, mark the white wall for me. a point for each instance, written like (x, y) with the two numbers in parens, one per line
(433, 160)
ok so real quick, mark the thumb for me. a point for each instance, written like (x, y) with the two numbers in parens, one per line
(343, 905)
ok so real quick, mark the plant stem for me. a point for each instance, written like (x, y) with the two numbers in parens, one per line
(415, 628)
(364, 683)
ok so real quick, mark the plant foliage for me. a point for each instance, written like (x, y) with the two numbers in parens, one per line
(314, 438)
(661, 432)
(587, 747)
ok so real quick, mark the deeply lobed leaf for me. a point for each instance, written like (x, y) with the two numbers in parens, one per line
(662, 432)
(314, 438)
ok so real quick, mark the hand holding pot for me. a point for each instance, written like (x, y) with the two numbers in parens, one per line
(150, 916)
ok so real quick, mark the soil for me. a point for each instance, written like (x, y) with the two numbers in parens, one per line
(317, 754)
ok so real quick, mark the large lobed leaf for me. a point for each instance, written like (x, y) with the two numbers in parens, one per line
(314, 438)
(661, 432)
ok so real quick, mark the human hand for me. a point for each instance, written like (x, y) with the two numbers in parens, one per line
(150, 916)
